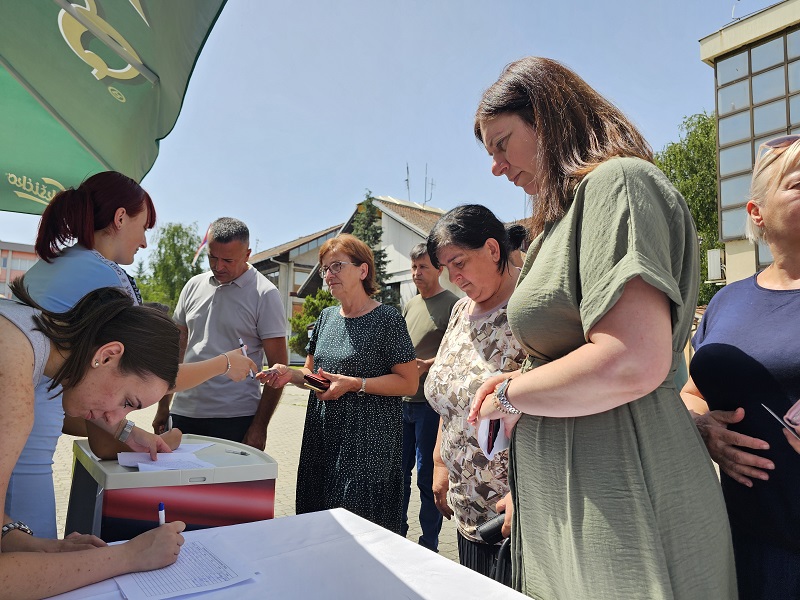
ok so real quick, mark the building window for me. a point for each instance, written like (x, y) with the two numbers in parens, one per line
(20, 264)
(299, 279)
(758, 98)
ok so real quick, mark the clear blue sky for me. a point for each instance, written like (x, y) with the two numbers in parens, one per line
(296, 108)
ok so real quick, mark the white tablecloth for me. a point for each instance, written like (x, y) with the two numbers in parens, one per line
(332, 554)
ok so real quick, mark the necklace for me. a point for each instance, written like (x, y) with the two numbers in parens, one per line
(363, 306)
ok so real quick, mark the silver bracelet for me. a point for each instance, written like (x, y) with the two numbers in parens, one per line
(502, 399)
(126, 431)
(228, 360)
(8, 527)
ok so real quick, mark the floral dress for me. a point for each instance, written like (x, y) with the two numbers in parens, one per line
(474, 348)
(352, 446)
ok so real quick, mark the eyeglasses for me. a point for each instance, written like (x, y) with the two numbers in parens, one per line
(334, 267)
(771, 150)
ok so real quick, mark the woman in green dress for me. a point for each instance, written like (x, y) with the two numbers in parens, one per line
(614, 493)
(353, 438)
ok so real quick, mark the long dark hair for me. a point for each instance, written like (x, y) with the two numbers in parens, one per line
(150, 338)
(76, 213)
(468, 226)
(577, 129)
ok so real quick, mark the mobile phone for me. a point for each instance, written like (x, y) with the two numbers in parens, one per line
(316, 383)
(494, 430)
(789, 428)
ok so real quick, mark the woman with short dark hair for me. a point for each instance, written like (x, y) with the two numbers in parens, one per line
(474, 246)
(614, 494)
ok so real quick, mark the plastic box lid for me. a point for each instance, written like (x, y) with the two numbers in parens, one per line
(229, 467)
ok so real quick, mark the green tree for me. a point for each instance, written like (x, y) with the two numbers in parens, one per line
(691, 166)
(312, 307)
(170, 264)
(367, 228)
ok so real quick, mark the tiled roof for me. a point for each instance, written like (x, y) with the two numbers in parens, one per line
(418, 216)
(278, 250)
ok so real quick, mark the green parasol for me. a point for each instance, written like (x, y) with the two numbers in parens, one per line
(88, 86)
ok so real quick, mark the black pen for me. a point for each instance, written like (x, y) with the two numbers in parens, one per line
(242, 452)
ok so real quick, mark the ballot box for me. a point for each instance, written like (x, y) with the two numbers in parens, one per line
(118, 503)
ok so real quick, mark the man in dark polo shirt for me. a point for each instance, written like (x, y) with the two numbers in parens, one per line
(426, 316)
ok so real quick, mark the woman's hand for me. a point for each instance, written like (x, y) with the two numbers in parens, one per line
(156, 548)
(441, 485)
(144, 441)
(340, 385)
(77, 541)
(487, 407)
(724, 446)
(241, 365)
(22, 542)
(506, 505)
(276, 376)
(793, 441)
(477, 410)
(172, 438)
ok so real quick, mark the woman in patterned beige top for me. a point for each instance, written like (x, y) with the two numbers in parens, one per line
(472, 243)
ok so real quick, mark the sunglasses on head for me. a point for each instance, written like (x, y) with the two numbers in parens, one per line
(780, 143)
(772, 149)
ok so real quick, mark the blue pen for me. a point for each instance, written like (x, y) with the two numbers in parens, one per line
(244, 353)
(162, 514)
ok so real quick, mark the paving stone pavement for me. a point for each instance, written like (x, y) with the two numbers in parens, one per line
(283, 444)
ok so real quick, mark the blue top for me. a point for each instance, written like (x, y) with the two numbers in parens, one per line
(748, 352)
(56, 286)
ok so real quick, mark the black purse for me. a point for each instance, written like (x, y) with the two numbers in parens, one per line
(490, 531)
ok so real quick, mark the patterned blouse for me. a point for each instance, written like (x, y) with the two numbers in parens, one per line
(474, 348)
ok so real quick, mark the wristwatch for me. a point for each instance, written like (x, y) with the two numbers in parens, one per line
(16, 525)
(502, 399)
(126, 431)
(363, 389)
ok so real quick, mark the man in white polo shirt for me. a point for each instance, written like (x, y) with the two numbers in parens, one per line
(214, 310)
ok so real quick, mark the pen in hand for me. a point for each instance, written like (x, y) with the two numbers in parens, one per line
(162, 514)
(244, 353)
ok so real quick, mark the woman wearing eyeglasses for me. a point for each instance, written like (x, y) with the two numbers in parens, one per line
(352, 440)
(748, 355)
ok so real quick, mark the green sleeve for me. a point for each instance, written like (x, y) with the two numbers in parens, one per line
(633, 224)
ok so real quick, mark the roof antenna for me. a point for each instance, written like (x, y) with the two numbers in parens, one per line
(408, 183)
(733, 11)
(425, 189)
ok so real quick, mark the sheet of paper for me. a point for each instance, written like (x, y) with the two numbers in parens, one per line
(192, 447)
(200, 566)
(183, 462)
(165, 462)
